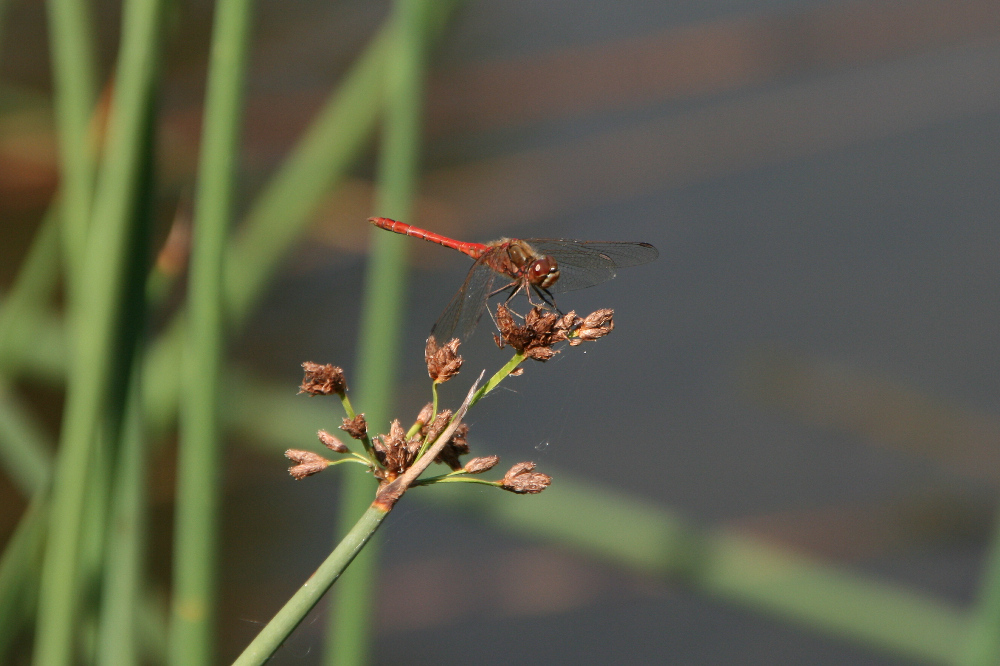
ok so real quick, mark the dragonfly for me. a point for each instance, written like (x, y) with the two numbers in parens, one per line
(539, 266)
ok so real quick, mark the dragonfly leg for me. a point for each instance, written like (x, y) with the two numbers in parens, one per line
(546, 296)
(513, 286)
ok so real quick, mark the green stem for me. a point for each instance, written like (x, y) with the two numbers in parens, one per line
(24, 452)
(291, 614)
(33, 288)
(96, 320)
(366, 441)
(497, 377)
(123, 570)
(75, 94)
(447, 478)
(19, 568)
(982, 642)
(198, 491)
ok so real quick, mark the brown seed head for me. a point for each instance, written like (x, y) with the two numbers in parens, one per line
(596, 325)
(535, 338)
(394, 451)
(456, 446)
(322, 379)
(480, 465)
(356, 427)
(425, 415)
(440, 423)
(309, 463)
(331, 442)
(443, 362)
(522, 479)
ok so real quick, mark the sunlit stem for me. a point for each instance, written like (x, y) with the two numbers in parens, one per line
(356, 458)
(497, 378)
(447, 478)
(434, 400)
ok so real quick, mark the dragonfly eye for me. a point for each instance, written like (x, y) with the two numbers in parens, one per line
(543, 272)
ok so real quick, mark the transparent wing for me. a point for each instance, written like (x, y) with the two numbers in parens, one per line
(583, 264)
(459, 319)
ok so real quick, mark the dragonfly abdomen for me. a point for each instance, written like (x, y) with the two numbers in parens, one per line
(474, 250)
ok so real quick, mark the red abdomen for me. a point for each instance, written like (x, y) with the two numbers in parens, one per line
(474, 250)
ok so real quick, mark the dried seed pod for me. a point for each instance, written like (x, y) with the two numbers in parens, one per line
(457, 446)
(332, 443)
(480, 465)
(426, 414)
(440, 423)
(309, 463)
(322, 379)
(356, 427)
(522, 479)
(443, 362)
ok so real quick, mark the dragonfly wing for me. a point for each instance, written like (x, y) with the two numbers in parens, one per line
(583, 264)
(459, 319)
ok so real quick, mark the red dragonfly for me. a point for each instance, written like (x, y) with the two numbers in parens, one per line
(545, 266)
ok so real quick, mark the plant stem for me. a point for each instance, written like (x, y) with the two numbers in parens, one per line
(96, 321)
(75, 93)
(291, 614)
(123, 567)
(19, 567)
(24, 451)
(35, 283)
(497, 377)
(198, 491)
(981, 645)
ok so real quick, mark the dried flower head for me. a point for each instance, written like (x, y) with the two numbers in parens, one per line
(443, 362)
(308, 463)
(480, 465)
(331, 442)
(438, 426)
(356, 427)
(322, 379)
(541, 329)
(595, 325)
(395, 452)
(425, 415)
(456, 446)
(522, 479)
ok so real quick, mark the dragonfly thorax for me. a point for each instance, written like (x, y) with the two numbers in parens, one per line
(537, 269)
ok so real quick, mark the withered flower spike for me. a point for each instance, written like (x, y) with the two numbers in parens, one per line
(522, 479)
(395, 452)
(443, 362)
(331, 442)
(322, 379)
(596, 325)
(535, 338)
(309, 463)
(457, 446)
(480, 465)
(426, 414)
(356, 427)
(440, 423)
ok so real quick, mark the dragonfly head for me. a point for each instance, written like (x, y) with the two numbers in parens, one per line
(543, 272)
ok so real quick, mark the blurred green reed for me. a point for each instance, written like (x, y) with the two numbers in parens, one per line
(199, 493)
(64, 555)
(379, 336)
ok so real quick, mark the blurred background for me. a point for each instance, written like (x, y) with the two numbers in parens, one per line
(787, 451)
